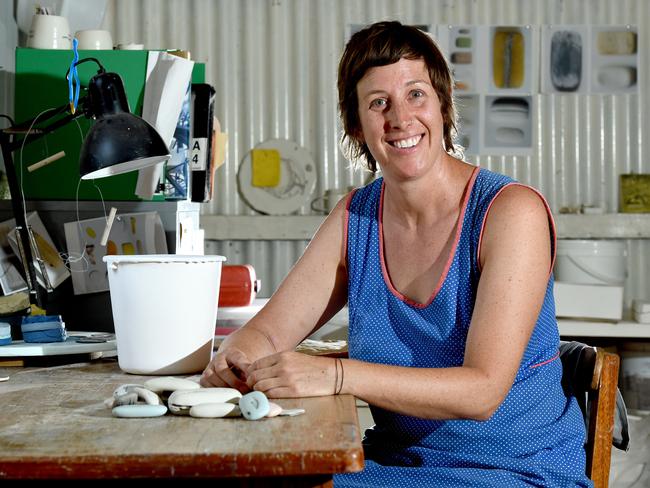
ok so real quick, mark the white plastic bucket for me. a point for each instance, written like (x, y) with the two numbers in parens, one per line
(591, 262)
(164, 311)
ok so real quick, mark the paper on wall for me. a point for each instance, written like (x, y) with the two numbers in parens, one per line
(11, 280)
(53, 264)
(133, 233)
(168, 77)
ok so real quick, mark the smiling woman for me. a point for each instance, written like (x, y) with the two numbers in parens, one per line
(446, 271)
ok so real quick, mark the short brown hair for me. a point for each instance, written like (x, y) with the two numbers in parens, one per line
(381, 44)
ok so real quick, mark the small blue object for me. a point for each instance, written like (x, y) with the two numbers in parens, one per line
(254, 405)
(5, 333)
(73, 74)
(43, 328)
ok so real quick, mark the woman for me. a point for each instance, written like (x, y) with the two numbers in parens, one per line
(446, 269)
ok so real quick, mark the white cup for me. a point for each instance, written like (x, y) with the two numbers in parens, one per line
(49, 32)
(94, 39)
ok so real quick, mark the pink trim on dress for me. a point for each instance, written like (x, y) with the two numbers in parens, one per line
(545, 362)
(550, 220)
(345, 228)
(450, 258)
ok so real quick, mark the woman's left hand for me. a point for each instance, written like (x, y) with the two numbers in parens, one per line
(292, 375)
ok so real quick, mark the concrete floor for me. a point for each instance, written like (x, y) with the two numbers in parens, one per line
(631, 469)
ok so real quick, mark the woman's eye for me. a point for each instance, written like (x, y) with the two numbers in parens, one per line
(417, 94)
(378, 103)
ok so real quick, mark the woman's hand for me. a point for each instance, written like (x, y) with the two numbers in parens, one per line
(227, 369)
(292, 374)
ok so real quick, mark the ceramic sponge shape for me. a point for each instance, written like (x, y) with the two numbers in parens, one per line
(508, 58)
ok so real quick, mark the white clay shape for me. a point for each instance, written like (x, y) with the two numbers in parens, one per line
(148, 396)
(292, 412)
(180, 401)
(139, 411)
(170, 383)
(130, 398)
(215, 410)
(274, 410)
(125, 388)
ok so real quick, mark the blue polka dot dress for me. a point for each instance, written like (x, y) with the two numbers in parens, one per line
(536, 436)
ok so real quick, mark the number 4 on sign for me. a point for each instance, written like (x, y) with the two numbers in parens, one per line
(199, 154)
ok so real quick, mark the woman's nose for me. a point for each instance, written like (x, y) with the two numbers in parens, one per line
(399, 116)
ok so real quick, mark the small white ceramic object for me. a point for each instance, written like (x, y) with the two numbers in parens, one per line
(94, 39)
(148, 396)
(215, 410)
(125, 388)
(274, 410)
(139, 411)
(292, 412)
(297, 179)
(49, 32)
(181, 401)
(130, 398)
(170, 383)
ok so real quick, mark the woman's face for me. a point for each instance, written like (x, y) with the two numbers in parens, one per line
(400, 118)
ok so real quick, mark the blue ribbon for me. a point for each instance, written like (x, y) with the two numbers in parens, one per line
(74, 90)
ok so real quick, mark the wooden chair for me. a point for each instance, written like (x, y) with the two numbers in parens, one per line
(591, 374)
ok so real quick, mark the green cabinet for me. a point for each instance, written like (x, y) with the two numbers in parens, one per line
(40, 85)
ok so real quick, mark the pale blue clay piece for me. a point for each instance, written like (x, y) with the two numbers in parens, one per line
(139, 411)
(254, 405)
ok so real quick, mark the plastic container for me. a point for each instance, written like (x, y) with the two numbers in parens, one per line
(164, 311)
(591, 262)
(635, 372)
(239, 285)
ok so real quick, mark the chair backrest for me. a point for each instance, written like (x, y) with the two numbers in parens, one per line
(593, 371)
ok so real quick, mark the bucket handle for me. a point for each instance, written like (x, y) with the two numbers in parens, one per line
(594, 273)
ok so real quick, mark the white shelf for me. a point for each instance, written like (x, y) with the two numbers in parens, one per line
(303, 227)
(582, 328)
(605, 226)
(260, 227)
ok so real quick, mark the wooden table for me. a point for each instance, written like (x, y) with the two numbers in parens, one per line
(54, 424)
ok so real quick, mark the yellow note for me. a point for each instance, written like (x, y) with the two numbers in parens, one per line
(128, 249)
(266, 167)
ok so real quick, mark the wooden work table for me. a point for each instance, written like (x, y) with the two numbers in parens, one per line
(54, 424)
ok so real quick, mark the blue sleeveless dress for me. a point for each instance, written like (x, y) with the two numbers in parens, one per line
(535, 438)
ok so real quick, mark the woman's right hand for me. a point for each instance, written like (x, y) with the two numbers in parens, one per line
(227, 368)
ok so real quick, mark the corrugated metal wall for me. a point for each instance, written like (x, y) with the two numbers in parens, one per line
(273, 63)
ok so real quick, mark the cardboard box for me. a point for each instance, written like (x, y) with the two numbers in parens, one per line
(635, 193)
(588, 301)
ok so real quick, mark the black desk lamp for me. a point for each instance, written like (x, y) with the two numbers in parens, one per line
(118, 142)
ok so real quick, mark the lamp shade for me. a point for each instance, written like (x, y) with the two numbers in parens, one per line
(118, 141)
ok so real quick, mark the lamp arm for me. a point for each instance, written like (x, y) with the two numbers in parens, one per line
(9, 144)
(38, 132)
(35, 293)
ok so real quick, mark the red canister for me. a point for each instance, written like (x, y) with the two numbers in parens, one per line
(239, 285)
